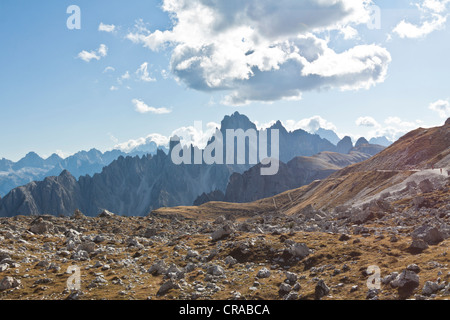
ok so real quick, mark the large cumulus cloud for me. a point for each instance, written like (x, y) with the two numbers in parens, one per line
(265, 50)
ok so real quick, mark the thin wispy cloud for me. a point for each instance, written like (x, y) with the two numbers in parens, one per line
(87, 56)
(106, 27)
(109, 69)
(442, 107)
(141, 107)
(366, 122)
(143, 74)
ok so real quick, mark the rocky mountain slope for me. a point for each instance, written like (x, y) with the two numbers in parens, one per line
(251, 185)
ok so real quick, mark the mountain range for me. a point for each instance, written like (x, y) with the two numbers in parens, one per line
(136, 185)
(33, 168)
(410, 174)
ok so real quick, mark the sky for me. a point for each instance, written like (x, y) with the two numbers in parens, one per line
(76, 75)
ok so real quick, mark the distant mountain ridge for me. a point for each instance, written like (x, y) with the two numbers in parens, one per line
(32, 167)
(136, 185)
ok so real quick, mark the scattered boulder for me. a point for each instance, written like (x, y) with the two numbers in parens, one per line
(344, 237)
(150, 232)
(406, 282)
(215, 270)
(285, 288)
(431, 287)
(158, 268)
(417, 246)
(431, 235)
(106, 214)
(426, 186)
(291, 277)
(263, 273)
(167, 286)
(88, 246)
(299, 250)
(321, 290)
(40, 226)
(9, 283)
(362, 216)
(413, 267)
(223, 232)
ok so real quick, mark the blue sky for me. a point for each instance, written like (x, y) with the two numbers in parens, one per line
(54, 99)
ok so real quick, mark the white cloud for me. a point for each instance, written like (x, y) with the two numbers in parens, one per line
(113, 88)
(349, 32)
(392, 128)
(408, 30)
(128, 146)
(106, 27)
(366, 122)
(112, 137)
(195, 135)
(191, 135)
(143, 74)
(101, 52)
(442, 107)
(142, 107)
(265, 50)
(433, 18)
(309, 124)
(125, 76)
(109, 69)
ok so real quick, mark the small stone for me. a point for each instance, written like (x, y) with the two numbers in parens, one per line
(344, 237)
(166, 287)
(413, 267)
(215, 270)
(263, 273)
(285, 288)
(291, 277)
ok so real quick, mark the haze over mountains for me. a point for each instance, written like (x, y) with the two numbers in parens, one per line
(136, 185)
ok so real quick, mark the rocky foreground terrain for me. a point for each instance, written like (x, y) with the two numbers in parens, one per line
(311, 255)
(379, 229)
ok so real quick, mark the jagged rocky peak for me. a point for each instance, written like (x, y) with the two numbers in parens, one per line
(237, 121)
(279, 126)
(345, 145)
(447, 123)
